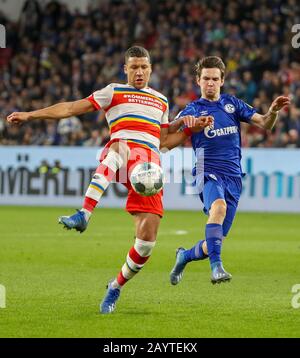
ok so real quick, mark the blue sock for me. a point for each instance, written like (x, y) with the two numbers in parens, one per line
(214, 236)
(195, 253)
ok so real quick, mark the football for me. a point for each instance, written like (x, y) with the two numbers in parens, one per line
(147, 179)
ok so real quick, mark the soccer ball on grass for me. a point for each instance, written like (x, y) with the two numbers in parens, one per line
(147, 179)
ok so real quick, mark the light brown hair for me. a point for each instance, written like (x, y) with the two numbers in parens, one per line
(210, 62)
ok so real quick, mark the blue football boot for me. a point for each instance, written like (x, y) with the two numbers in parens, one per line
(76, 221)
(218, 274)
(108, 303)
(180, 263)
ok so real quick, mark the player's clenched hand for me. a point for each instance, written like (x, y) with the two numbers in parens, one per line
(18, 117)
(279, 103)
(197, 124)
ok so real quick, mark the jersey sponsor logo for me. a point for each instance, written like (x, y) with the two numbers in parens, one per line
(229, 108)
(210, 132)
(124, 96)
(146, 100)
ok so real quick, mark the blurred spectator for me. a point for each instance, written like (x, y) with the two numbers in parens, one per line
(56, 168)
(94, 140)
(248, 88)
(44, 168)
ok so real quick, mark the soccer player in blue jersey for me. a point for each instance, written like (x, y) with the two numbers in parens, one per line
(219, 179)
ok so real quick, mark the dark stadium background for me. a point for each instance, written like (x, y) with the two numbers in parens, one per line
(55, 54)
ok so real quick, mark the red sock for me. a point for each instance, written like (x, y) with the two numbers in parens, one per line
(89, 204)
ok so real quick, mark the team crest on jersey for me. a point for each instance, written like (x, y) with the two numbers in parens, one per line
(229, 108)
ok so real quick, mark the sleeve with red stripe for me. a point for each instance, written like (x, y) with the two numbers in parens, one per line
(187, 131)
(93, 102)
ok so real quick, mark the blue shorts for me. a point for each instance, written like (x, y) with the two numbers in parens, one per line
(224, 187)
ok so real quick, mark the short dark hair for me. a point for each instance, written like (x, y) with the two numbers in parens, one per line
(136, 51)
(210, 62)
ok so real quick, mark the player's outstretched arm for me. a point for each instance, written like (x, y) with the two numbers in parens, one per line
(268, 120)
(176, 125)
(171, 140)
(57, 111)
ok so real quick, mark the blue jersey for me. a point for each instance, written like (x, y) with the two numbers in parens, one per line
(221, 144)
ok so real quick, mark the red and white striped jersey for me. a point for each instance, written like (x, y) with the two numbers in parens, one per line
(136, 115)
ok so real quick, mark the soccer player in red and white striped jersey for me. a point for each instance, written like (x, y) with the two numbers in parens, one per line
(137, 117)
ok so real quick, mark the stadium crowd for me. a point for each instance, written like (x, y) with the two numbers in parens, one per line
(54, 55)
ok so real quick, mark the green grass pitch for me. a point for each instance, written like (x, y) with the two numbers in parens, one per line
(55, 279)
